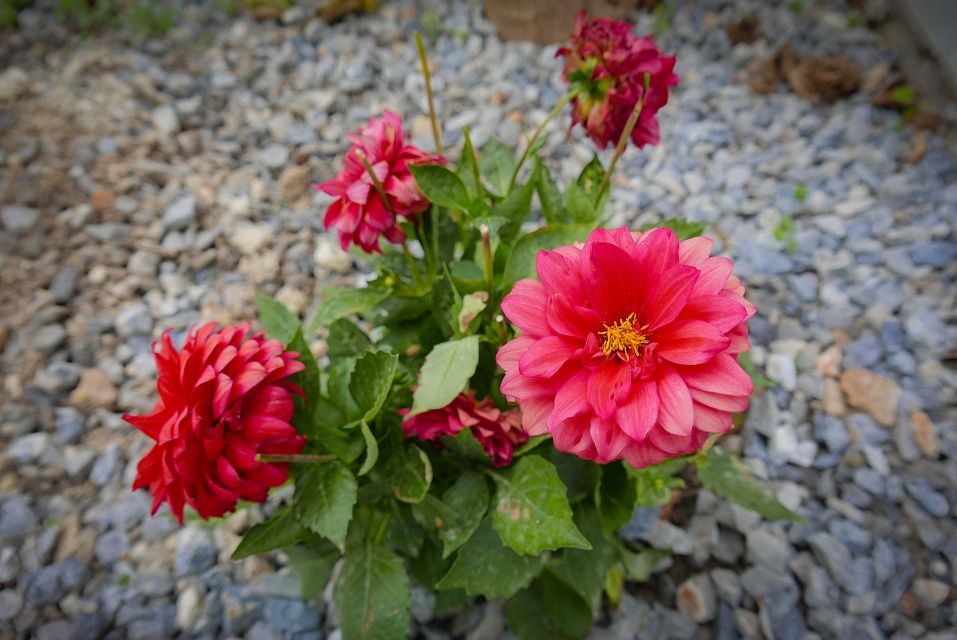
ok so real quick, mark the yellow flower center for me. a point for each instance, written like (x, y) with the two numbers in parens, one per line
(624, 337)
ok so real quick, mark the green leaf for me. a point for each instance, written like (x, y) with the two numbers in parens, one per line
(682, 227)
(372, 449)
(308, 379)
(521, 261)
(531, 508)
(372, 595)
(440, 186)
(371, 381)
(326, 429)
(515, 209)
(548, 194)
(337, 383)
(527, 617)
(339, 301)
(467, 276)
(497, 162)
(445, 374)
(584, 571)
(314, 567)
(466, 169)
(472, 305)
(276, 318)
(760, 381)
(346, 340)
(615, 496)
(727, 476)
(580, 205)
(653, 486)
(279, 531)
(464, 444)
(486, 567)
(325, 495)
(433, 514)
(638, 566)
(410, 472)
(468, 497)
(565, 606)
(530, 445)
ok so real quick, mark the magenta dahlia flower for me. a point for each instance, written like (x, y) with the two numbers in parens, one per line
(224, 398)
(608, 63)
(499, 432)
(628, 346)
(359, 213)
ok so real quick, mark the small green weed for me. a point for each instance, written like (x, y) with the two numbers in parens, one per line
(784, 232)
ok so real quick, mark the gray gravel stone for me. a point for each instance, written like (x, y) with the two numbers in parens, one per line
(180, 214)
(19, 219)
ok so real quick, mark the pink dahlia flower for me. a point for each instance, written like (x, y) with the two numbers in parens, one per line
(607, 62)
(628, 346)
(224, 398)
(359, 213)
(499, 432)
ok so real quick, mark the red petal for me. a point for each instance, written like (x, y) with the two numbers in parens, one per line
(568, 320)
(612, 279)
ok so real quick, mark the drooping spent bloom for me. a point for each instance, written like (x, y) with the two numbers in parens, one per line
(608, 63)
(224, 398)
(360, 214)
(499, 432)
(628, 346)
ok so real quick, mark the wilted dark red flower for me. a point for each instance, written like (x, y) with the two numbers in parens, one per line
(628, 346)
(499, 432)
(359, 213)
(224, 398)
(608, 63)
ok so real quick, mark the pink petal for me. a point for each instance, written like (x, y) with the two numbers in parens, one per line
(711, 420)
(694, 251)
(639, 414)
(571, 399)
(720, 311)
(535, 414)
(510, 352)
(675, 412)
(545, 357)
(690, 342)
(657, 252)
(714, 274)
(612, 279)
(524, 306)
(719, 401)
(608, 439)
(568, 320)
(558, 273)
(642, 454)
(668, 295)
(722, 374)
(608, 384)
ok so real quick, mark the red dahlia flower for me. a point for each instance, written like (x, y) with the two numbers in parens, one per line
(360, 213)
(627, 346)
(224, 398)
(499, 432)
(607, 62)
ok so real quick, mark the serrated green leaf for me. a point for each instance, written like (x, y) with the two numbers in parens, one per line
(373, 596)
(279, 531)
(486, 567)
(346, 340)
(325, 496)
(531, 511)
(337, 383)
(566, 607)
(464, 444)
(308, 380)
(653, 487)
(682, 227)
(441, 186)
(326, 429)
(579, 197)
(372, 449)
(468, 498)
(339, 302)
(371, 381)
(410, 472)
(584, 571)
(550, 198)
(615, 496)
(727, 476)
(497, 163)
(314, 567)
(639, 565)
(276, 318)
(527, 617)
(521, 261)
(514, 209)
(445, 374)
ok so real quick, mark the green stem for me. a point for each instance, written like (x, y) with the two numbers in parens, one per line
(375, 183)
(426, 74)
(416, 277)
(435, 241)
(299, 457)
(623, 141)
(487, 251)
(538, 132)
(475, 164)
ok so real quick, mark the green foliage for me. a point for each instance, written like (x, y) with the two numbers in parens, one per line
(372, 595)
(468, 498)
(278, 321)
(760, 381)
(796, 7)
(325, 496)
(531, 511)
(142, 20)
(497, 164)
(313, 564)
(521, 261)
(446, 371)
(727, 476)
(371, 381)
(441, 186)
(663, 13)
(800, 192)
(10, 9)
(339, 302)
(281, 530)
(683, 228)
(639, 565)
(784, 232)
(148, 20)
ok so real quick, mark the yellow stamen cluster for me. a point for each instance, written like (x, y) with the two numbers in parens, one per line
(624, 337)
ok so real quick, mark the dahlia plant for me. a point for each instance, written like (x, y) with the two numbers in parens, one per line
(495, 404)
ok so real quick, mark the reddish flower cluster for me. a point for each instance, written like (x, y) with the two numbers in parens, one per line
(360, 214)
(224, 398)
(499, 432)
(628, 346)
(608, 63)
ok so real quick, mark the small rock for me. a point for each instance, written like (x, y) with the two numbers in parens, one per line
(250, 238)
(832, 398)
(180, 214)
(329, 255)
(195, 552)
(95, 391)
(275, 156)
(781, 369)
(832, 553)
(728, 585)
(932, 501)
(48, 338)
(829, 362)
(925, 434)
(63, 284)
(874, 394)
(293, 183)
(28, 448)
(134, 320)
(111, 547)
(696, 598)
(166, 119)
(9, 564)
(767, 549)
(10, 604)
(189, 606)
(930, 594)
(14, 82)
(55, 630)
(106, 465)
(76, 461)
